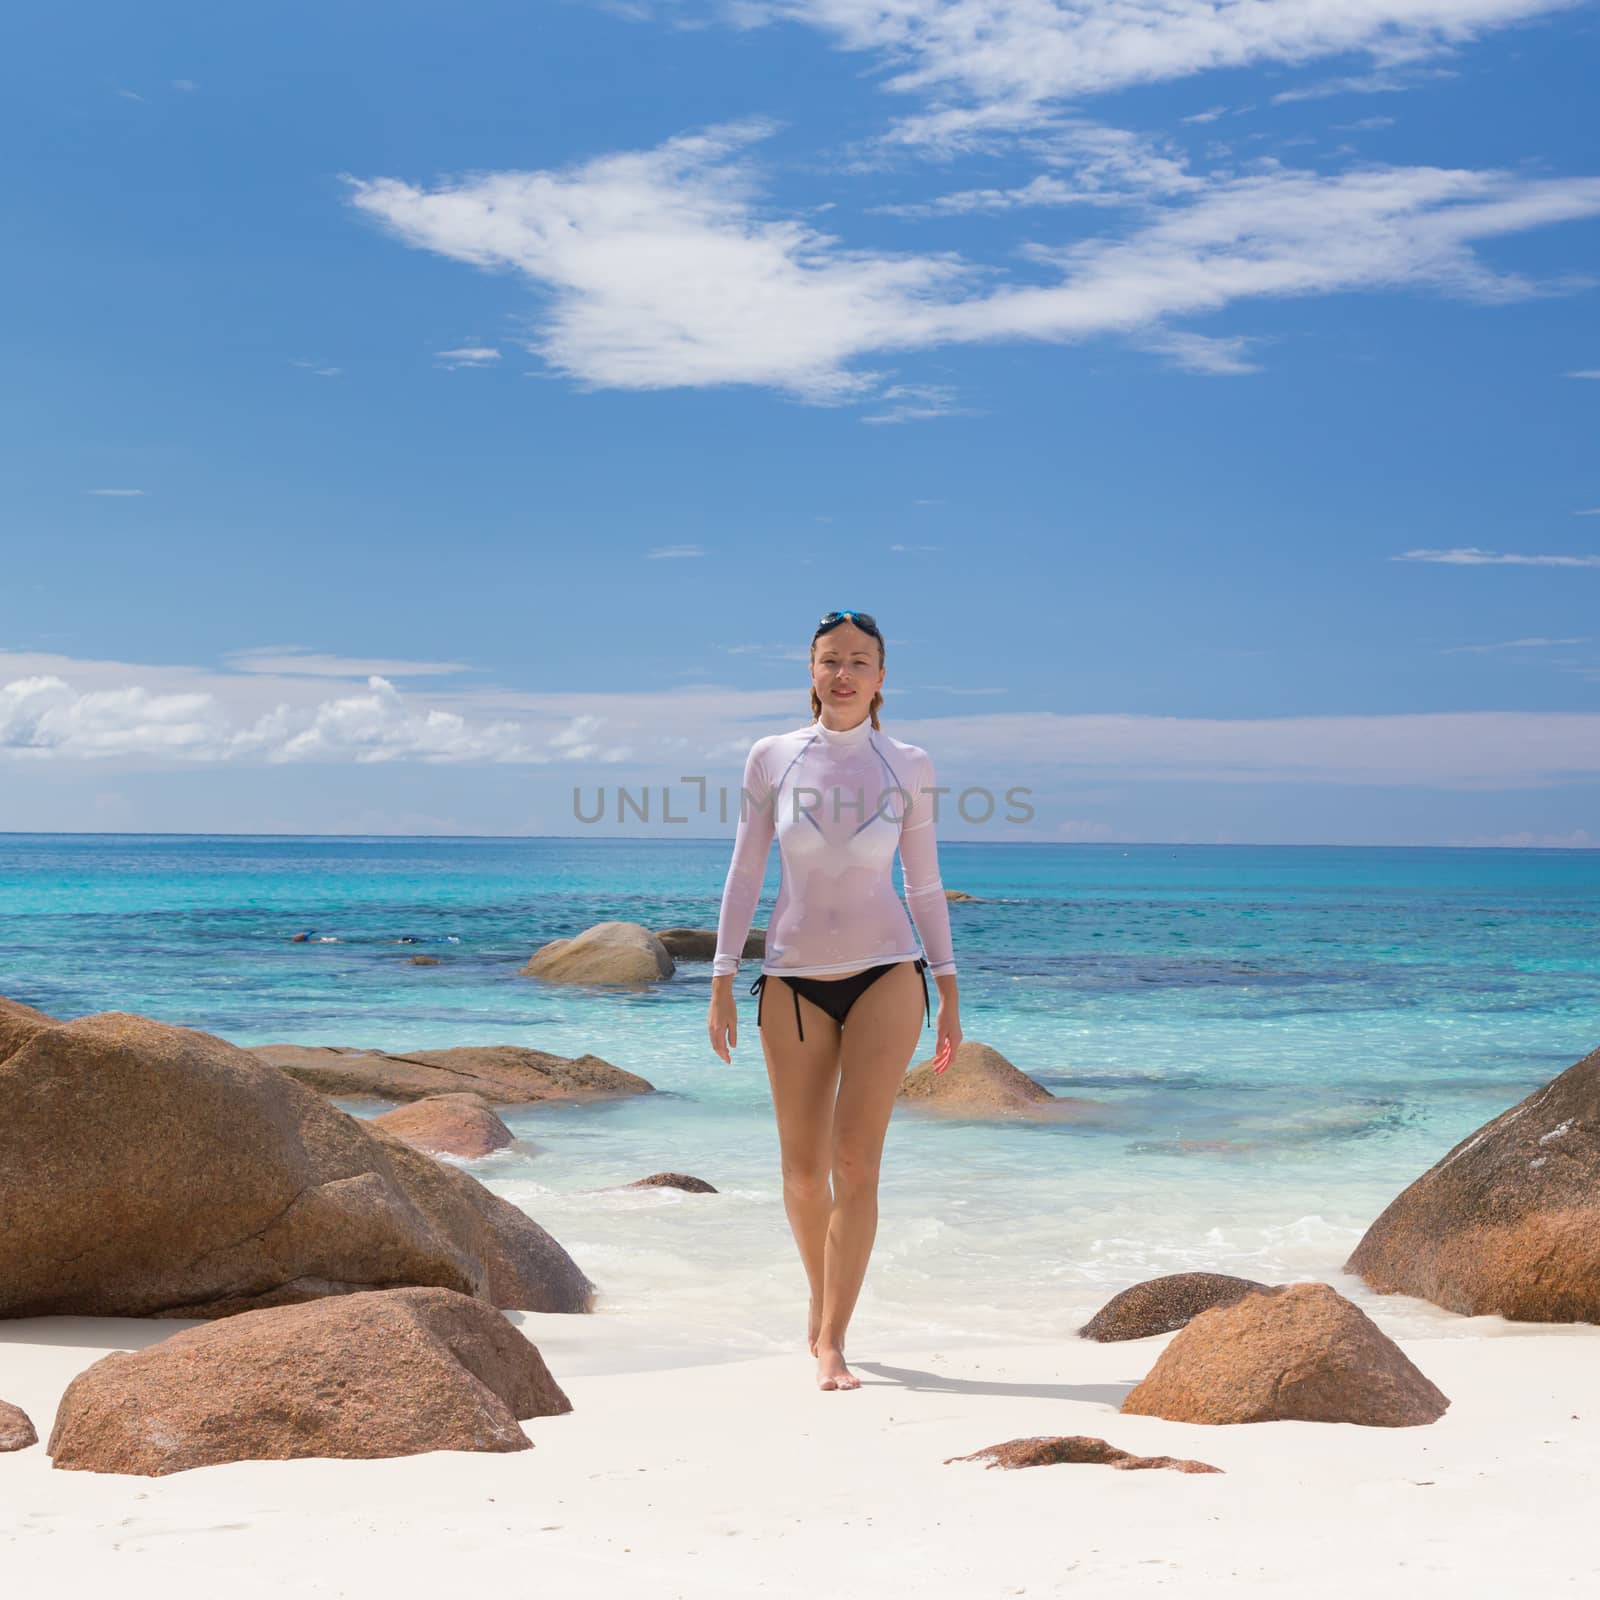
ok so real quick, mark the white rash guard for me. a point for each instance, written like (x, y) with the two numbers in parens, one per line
(840, 804)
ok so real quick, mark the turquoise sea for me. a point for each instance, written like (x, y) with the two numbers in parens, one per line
(1283, 1039)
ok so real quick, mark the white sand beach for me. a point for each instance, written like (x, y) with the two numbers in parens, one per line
(740, 1478)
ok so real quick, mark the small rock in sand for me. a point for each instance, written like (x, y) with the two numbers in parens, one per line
(16, 1431)
(1075, 1447)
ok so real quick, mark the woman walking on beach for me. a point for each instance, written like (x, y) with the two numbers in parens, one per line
(841, 797)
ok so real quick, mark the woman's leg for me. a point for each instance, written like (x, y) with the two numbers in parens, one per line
(877, 1042)
(804, 1074)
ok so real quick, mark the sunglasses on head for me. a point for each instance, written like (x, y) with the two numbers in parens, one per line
(859, 618)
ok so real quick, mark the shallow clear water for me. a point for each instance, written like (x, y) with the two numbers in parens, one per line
(1281, 1040)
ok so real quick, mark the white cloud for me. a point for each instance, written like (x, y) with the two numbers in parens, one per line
(991, 64)
(185, 85)
(1468, 750)
(664, 268)
(1591, 511)
(138, 717)
(1206, 116)
(55, 708)
(1510, 644)
(1209, 356)
(1593, 372)
(1471, 557)
(675, 552)
(379, 726)
(47, 717)
(473, 355)
(294, 661)
(1105, 166)
(44, 715)
(917, 402)
(1360, 83)
(661, 272)
(1577, 839)
(1043, 190)
(117, 493)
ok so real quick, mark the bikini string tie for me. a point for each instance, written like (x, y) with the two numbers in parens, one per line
(759, 988)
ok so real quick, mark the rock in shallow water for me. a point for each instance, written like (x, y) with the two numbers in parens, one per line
(700, 944)
(980, 1082)
(448, 1124)
(147, 1170)
(504, 1074)
(609, 952)
(1298, 1352)
(389, 1373)
(672, 1180)
(1163, 1305)
(1508, 1222)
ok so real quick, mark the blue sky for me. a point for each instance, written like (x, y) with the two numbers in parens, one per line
(413, 415)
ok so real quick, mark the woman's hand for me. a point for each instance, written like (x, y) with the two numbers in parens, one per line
(947, 1027)
(722, 1019)
(947, 1024)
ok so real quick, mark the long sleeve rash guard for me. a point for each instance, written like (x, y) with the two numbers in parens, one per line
(840, 804)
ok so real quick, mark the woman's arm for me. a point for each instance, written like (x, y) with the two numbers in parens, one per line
(752, 843)
(919, 869)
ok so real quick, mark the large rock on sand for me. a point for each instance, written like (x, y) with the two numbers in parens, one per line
(980, 1082)
(148, 1170)
(1163, 1305)
(18, 1024)
(448, 1124)
(700, 944)
(504, 1074)
(393, 1373)
(609, 952)
(1298, 1352)
(1508, 1222)
(16, 1431)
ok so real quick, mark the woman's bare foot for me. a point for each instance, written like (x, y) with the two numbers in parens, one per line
(813, 1324)
(832, 1373)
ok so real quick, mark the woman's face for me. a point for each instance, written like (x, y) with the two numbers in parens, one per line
(844, 668)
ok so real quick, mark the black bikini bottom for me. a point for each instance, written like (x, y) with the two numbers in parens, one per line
(837, 995)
